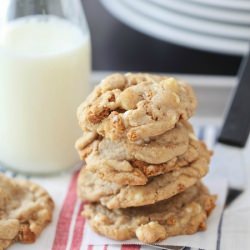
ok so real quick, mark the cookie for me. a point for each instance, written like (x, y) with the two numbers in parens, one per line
(185, 213)
(136, 172)
(136, 106)
(25, 210)
(158, 150)
(94, 189)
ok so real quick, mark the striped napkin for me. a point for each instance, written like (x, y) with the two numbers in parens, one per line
(69, 231)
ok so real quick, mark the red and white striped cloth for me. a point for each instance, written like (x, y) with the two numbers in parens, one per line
(66, 232)
(69, 230)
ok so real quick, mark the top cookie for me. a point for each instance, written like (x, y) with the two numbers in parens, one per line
(136, 106)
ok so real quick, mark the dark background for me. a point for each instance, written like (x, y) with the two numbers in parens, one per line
(116, 46)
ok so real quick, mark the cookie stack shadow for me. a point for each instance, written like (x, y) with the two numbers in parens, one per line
(144, 164)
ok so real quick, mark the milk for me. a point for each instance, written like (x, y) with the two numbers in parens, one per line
(44, 69)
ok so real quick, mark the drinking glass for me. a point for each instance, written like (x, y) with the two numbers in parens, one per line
(45, 58)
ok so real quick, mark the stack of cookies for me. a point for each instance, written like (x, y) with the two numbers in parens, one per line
(143, 162)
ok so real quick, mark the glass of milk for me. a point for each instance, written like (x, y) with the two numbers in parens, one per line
(44, 73)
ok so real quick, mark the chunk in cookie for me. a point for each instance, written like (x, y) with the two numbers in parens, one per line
(136, 106)
(185, 213)
(25, 210)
